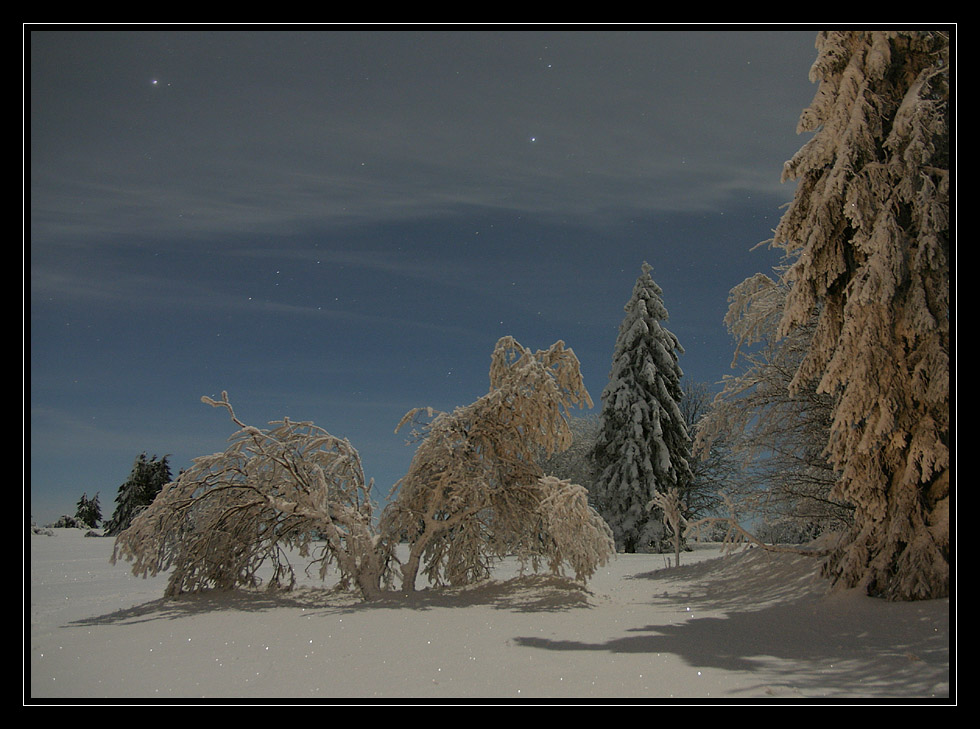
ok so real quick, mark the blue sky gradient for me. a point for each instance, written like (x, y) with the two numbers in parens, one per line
(338, 224)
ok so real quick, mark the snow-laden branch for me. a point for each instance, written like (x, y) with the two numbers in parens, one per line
(293, 485)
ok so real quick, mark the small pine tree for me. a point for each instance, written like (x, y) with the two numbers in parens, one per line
(88, 511)
(145, 481)
(643, 445)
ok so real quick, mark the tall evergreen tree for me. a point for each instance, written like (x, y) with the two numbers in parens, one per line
(869, 227)
(145, 481)
(643, 445)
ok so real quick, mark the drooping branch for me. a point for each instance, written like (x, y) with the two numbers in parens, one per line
(472, 493)
(284, 487)
(672, 509)
(736, 535)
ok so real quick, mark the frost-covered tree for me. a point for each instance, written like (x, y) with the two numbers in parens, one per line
(672, 510)
(293, 486)
(572, 531)
(776, 436)
(869, 226)
(643, 445)
(88, 511)
(146, 479)
(575, 463)
(713, 468)
(68, 522)
(475, 491)
(473, 494)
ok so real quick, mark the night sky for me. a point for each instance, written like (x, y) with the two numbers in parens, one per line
(337, 224)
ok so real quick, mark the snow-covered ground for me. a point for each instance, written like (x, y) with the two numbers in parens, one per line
(750, 626)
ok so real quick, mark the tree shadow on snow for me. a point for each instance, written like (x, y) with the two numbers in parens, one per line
(188, 605)
(533, 593)
(529, 593)
(746, 580)
(780, 622)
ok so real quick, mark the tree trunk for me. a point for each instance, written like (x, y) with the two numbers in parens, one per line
(410, 569)
(369, 584)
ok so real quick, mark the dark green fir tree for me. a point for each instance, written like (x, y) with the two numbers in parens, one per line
(88, 511)
(643, 447)
(146, 480)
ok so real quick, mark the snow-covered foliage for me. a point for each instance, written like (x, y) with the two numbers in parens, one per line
(88, 511)
(146, 479)
(713, 468)
(672, 510)
(729, 530)
(643, 445)
(68, 522)
(778, 437)
(291, 486)
(869, 229)
(574, 533)
(474, 490)
(473, 495)
(575, 463)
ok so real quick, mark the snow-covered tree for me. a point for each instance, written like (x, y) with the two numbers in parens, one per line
(869, 227)
(474, 494)
(68, 522)
(475, 491)
(88, 511)
(643, 445)
(777, 437)
(146, 479)
(713, 468)
(575, 463)
(574, 533)
(291, 486)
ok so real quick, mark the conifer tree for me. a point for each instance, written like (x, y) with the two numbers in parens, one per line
(869, 229)
(643, 445)
(146, 480)
(88, 511)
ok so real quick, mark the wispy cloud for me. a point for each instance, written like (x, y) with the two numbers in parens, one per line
(340, 128)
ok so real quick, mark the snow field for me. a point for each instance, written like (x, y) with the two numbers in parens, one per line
(751, 626)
